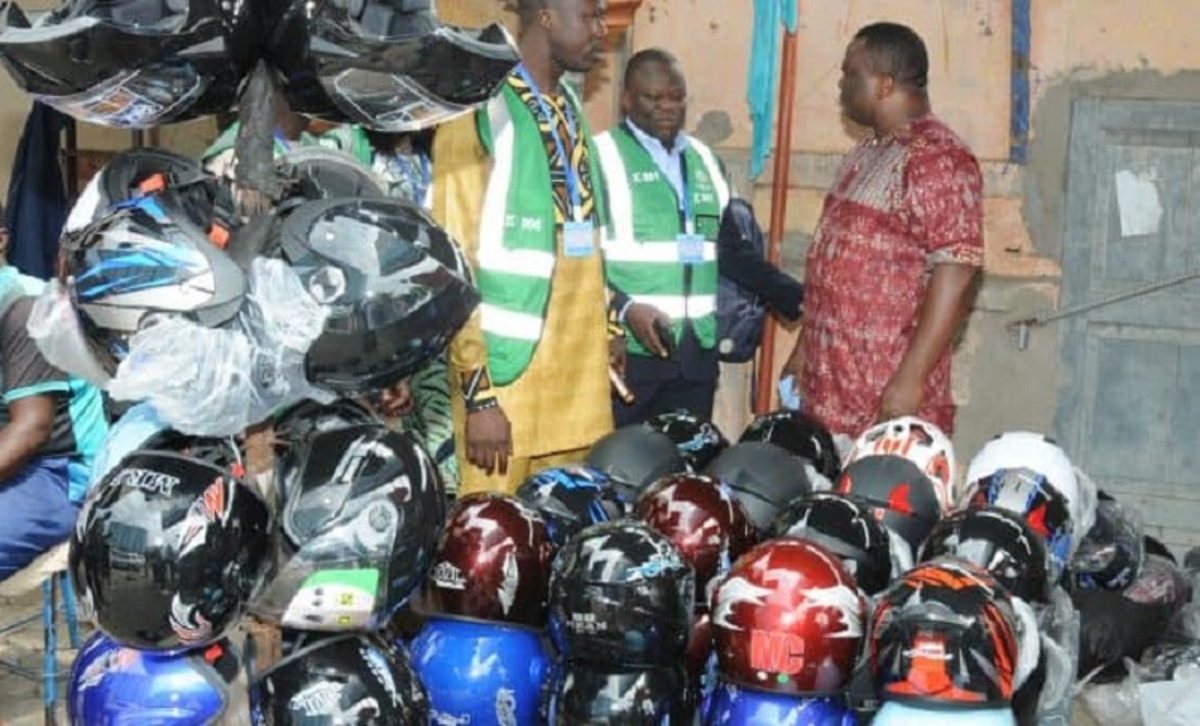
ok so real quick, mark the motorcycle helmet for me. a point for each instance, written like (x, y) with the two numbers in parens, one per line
(920, 442)
(388, 66)
(1031, 496)
(362, 510)
(788, 619)
(636, 457)
(898, 494)
(1111, 554)
(127, 434)
(1037, 453)
(111, 684)
(571, 498)
(896, 713)
(945, 634)
(621, 593)
(699, 646)
(296, 424)
(492, 563)
(484, 674)
(393, 304)
(699, 442)
(764, 478)
(704, 521)
(800, 434)
(318, 172)
(130, 64)
(998, 541)
(340, 680)
(733, 705)
(847, 529)
(595, 694)
(170, 545)
(146, 259)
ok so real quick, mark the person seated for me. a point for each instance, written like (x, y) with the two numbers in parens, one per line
(52, 426)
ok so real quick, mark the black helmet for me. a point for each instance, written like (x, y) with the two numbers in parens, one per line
(897, 492)
(845, 528)
(800, 434)
(294, 425)
(636, 456)
(699, 442)
(945, 633)
(130, 63)
(141, 261)
(571, 498)
(621, 593)
(593, 694)
(318, 172)
(362, 510)
(764, 477)
(171, 544)
(386, 65)
(1111, 553)
(998, 541)
(349, 679)
(394, 304)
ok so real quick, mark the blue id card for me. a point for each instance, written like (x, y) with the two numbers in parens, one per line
(691, 248)
(578, 239)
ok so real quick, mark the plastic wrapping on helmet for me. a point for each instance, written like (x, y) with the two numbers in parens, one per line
(362, 510)
(998, 541)
(130, 64)
(571, 498)
(945, 634)
(385, 67)
(845, 528)
(168, 548)
(621, 593)
(788, 618)
(346, 679)
(699, 442)
(377, 266)
(113, 684)
(920, 442)
(480, 673)
(765, 477)
(54, 328)
(800, 434)
(636, 456)
(492, 563)
(703, 519)
(594, 694)
(898, 492)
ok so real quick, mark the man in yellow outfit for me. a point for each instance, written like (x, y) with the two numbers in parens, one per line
(517, 184)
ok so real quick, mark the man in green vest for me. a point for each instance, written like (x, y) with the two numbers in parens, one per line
(516, 184)
(667, 192)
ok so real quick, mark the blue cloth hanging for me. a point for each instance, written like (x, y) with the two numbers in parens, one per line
(763, 79)
(37, 198)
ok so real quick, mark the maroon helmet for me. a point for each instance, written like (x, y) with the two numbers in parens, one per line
(703, 519)
(492, 563)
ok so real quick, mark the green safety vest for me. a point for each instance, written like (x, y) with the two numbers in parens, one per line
(641, 249)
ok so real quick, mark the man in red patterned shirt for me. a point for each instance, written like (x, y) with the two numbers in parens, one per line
(890, 273)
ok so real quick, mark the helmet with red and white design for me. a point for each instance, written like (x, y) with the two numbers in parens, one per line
(897, 492)
(945, 633)
(703, 519)
(920, 442)
(492, 563)
(788, 618)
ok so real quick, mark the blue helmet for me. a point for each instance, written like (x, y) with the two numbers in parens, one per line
(480, 673)
(571, 498)
(730, 704)
(111, 684)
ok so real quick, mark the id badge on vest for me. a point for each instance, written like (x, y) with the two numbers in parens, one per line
(691, 248)
(578, 239)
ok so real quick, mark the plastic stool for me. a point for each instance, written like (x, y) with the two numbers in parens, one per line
(51, 568)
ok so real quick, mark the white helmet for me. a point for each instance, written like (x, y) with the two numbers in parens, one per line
(1035, 452)
(895, 713)
(920, 442)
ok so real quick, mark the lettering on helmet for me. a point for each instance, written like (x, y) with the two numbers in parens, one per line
(507, 592)
(586, 623)
(506, 707)
(442, 718)
(155, 482)
(316, 700)
(773, 652)
(446, 575)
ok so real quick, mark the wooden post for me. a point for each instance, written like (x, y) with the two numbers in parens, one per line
(260, 474)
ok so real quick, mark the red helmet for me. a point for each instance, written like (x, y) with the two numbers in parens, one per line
(945, 633)
(699, 646)
(703, 519)
(788, 619)
(492, 563)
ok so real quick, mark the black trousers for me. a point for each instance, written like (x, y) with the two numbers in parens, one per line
(656, 397)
